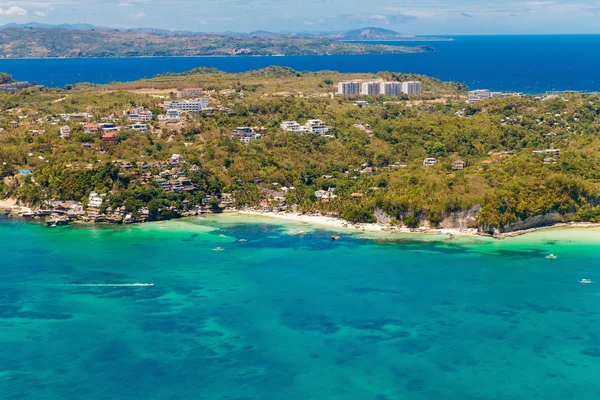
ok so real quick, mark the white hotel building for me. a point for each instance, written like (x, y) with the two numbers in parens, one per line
(192, 106)
(370, 88)
(411, 88)
(349, 88)
(391, 88)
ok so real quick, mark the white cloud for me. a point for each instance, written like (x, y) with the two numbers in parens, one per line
(14, 11)
(44, 13)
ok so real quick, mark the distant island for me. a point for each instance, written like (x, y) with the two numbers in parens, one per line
(86, 41)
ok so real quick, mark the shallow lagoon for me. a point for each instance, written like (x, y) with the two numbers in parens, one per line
(295, 317)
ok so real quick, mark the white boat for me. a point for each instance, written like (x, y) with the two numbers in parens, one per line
(218, 249)
(551, 257)
(586, 281)
(243, 240)
(221, 235)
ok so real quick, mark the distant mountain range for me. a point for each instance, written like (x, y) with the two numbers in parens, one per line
(84, 41)
(368, 33)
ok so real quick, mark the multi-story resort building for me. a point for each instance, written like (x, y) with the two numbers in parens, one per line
(140, 127)
(391, 88)
(315, 126)
(480, 94)
(138, 115)
(370, 88)
(65, 132)
(484, 94)
(245, 134)
(318, 127)
(193, 106)
(411, 88)
(170, 116)
(293, 126)
(349, 88)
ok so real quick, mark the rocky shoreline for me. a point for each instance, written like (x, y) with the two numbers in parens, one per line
(452, 225)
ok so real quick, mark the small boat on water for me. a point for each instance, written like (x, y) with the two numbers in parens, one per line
(221, 235)
(57, 220)
(243, 240)
(586, 281)
(551, 257)
(218, 249)
(335, 238)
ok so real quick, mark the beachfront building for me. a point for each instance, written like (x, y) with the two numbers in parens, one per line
(370, 88)
(245, 134)
(189, 92)
(65, 132)
(143, 128)
(412, 88)
(95, 200)
(138, 114)
(428, 162)
(349, 88)
(391, 88)
(192, 106)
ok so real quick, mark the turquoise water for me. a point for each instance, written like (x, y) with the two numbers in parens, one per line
(291, 317)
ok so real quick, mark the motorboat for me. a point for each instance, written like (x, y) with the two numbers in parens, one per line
(551, 257)
(335, 237)
(57, 220)
(218, 249)
(586, 281)
(243, 240)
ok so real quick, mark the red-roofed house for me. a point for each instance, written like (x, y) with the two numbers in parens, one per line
(91, 128)
(109, 137)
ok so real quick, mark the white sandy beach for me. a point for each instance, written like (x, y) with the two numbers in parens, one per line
(338, 223)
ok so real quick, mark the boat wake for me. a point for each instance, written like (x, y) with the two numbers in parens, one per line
(108, 284)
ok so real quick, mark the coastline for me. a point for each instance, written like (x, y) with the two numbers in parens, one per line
(11, 207)
(341, 224)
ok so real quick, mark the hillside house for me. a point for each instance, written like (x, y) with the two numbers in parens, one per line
(458, 165)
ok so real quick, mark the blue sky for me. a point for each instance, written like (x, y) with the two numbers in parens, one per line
(413, 17)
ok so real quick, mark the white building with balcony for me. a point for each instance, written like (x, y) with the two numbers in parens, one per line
(391, 88)
(192, 106)
(349, 88)
(412, 88)
(370, 88)
(65, 132)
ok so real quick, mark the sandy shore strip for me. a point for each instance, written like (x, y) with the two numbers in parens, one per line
(338, 223)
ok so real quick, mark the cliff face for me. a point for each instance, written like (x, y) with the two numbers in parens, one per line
(468, 219)
(460, 220)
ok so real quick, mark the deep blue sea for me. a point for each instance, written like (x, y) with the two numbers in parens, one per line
(294, 317)
(531, 64)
